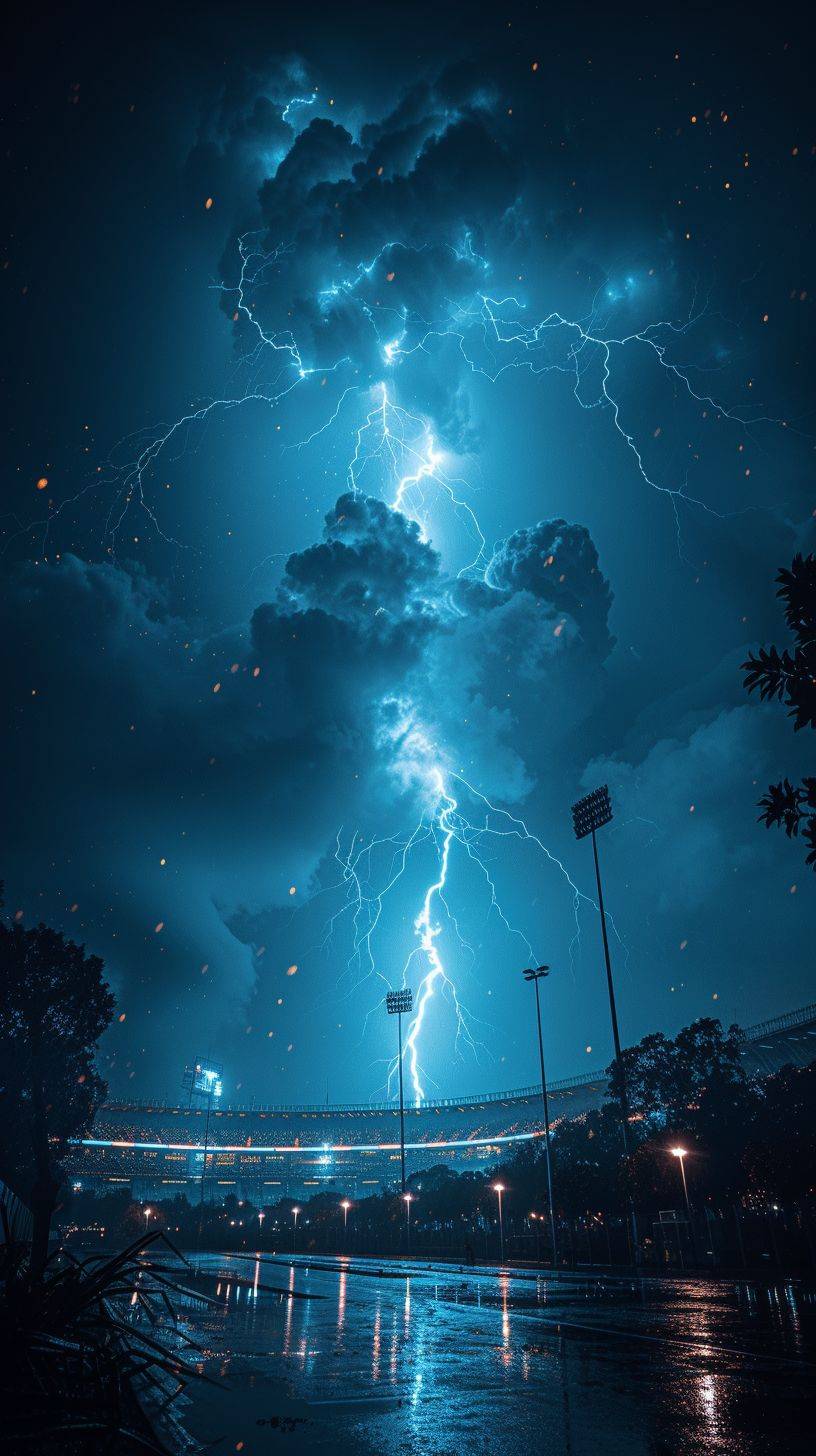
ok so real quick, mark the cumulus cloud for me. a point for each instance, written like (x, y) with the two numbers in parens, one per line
(372, 561)
(557, 563)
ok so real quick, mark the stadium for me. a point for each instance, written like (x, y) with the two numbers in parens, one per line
(262, 1153)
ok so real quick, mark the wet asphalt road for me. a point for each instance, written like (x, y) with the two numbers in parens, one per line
(447, 1361)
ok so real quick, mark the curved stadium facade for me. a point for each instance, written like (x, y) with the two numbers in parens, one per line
(263, 1153)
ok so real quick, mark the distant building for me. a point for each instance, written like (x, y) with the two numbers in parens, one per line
(263, 1153)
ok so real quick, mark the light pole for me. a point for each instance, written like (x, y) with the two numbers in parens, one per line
(681, 1154)
(261, 1217)
(295, 1212)
(498, 1188)
(588, 816)
(408, 1198)
(535, 976)
(147, 1214)
(345, 1205)
(397, 1003)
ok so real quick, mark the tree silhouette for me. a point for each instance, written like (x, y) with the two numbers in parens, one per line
(790, 677)
(54, 1005)
(668, 1079)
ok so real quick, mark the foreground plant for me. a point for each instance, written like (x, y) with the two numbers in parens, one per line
(79, 1373)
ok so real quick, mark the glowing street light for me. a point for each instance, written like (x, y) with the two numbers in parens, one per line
(398, 1003)
(408, 1199)
(498, 1189)
(535, 976)
(681, 1154)
(295, 1212)
(147, 1214)
(345, 1205)
(535, 1219)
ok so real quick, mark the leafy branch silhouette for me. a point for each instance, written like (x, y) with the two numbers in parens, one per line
(789, 676)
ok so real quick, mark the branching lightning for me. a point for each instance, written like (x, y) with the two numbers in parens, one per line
(449, 830)
(401, 453)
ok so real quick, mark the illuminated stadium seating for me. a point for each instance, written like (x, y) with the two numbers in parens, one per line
(263, 1153)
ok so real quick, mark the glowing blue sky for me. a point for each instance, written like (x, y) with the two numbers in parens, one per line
(552, 302)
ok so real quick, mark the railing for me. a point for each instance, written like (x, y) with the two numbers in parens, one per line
(781, 1023)
(518, 1094)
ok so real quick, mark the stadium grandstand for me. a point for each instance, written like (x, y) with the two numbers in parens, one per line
(262, 1153)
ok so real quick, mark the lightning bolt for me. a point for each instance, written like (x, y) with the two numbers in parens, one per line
(428, 932)
(493, 338)
(451, 833)
(402, 451)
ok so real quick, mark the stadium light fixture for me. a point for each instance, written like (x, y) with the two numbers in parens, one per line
(398, 1002)
(592, 812)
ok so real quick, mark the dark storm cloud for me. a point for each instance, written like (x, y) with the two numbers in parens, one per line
(384, 237)
(354, 612)
(557, 563)
(242, 133)
(137, 741)
(372, 560)
(213, 752)
(143, 733)
(322, 155)
(534, 631)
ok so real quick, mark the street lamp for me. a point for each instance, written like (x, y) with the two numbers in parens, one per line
(498, 1188)
(345, 1205)
(408, 1199)
(295, 1212)
(681, 1154)
(147, 1214)
(535, 976)
(397, 1003)
(261, 1217)
(588, 816)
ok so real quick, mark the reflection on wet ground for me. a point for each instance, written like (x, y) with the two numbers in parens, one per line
(362, 1357)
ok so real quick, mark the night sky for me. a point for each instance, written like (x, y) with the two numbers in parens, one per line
(407, 411)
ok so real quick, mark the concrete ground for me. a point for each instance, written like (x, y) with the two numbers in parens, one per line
(445, 1361)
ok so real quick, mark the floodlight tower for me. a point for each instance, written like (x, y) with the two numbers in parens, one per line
(397, 1003)
(588, 816)
(203, 1078)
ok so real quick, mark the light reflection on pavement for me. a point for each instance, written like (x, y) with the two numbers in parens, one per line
(448, 1361)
